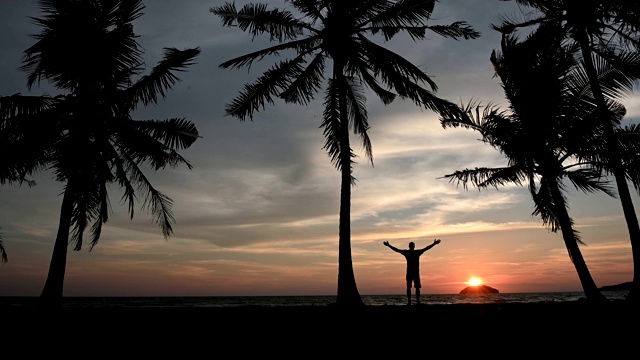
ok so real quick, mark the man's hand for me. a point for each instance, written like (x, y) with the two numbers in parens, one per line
(386, 243)
(436, 241)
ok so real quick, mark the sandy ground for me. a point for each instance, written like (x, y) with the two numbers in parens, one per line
(509, 330)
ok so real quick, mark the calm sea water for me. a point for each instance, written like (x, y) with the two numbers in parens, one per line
(373, 300)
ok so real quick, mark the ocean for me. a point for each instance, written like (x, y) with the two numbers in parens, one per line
(323, 300)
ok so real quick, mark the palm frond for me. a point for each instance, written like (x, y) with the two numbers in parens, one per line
(255, 96)
(156, 141)
(474, 116)
(364, 13)
(405, 78)
(455, 30)
(629, 139)
(81, 216)
(615, 84)
(546, 207)
(163, 76)
(128, 11)
(257, 19)
(153, 200)
(331, 123)
(302, 89)
(174, 133)
(20, 105)
(393, 69)
(102, 213)
(160, 206)
(509, 25)
(302, 47)
(310, 8)
(389, 17)
(483, 177)
(357, 108)
(28, 125)
(589, 181)
(360, 66)
(121, 163)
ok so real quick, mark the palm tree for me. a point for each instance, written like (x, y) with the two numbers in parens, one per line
(605, 31)
(89, 137)
(340, 31)
(550, 126)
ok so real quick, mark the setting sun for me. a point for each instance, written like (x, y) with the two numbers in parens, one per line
(474, 281)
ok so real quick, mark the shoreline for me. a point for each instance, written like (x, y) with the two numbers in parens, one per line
(468, 308)
(613, 311)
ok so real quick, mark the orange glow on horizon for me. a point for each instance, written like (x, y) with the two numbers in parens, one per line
(474, 281)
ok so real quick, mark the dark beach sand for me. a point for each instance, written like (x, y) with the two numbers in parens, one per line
(508, 330)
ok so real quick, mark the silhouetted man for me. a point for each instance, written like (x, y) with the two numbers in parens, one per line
(413, 266)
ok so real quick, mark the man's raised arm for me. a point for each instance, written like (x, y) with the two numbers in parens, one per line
(386, 243)
(435, 242)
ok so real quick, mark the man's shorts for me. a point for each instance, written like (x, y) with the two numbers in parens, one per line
(415, 280)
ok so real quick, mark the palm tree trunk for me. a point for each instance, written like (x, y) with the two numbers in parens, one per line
(591, 291)
(347, 289)
(617, 169)
(51, 296)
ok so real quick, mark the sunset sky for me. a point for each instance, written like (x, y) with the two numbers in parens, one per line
(258, 213)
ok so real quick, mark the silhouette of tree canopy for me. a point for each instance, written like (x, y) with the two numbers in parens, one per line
(86, 136)
(26, 140)
(340, 31)
(548, 133)
(605, 31)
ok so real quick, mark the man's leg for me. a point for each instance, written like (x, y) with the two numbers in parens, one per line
(408, 296)
(418, 296)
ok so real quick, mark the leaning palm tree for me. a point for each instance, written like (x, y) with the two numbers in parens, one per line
(340, 31)
(605, 31)
(550, 126)
(91, 140)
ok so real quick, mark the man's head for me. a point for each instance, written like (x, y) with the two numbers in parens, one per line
(412, 245)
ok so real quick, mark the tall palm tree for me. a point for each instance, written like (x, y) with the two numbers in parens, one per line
(549, 127)
(90, 139)
(604, 30)
(340, 31)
